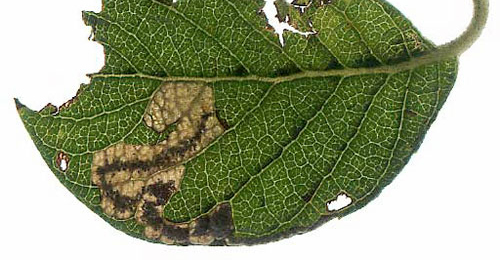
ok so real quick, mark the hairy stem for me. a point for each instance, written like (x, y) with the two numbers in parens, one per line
(476, 26)
(463, 42)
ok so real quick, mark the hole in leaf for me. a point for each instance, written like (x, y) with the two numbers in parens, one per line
(271, 12)
(62, 161)
(340, 202)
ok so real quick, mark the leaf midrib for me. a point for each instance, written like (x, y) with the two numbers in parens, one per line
(426, 59)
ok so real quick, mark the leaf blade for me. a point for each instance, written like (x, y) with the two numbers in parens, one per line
(280, 182)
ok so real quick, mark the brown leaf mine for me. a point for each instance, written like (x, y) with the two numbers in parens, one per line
(136, 181)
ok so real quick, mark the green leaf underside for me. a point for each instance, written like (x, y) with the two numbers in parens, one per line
(290, 145)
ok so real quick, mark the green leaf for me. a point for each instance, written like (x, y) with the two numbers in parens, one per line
(202, 129)
(283, 9)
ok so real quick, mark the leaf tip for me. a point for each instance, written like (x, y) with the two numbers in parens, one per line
(19, 105)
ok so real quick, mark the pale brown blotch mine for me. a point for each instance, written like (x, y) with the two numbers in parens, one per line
(136, 181)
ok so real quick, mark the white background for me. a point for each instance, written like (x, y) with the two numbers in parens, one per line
(445, 203)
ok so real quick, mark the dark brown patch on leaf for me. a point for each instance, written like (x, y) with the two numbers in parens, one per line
(151, 216)
(162, 191)
(176, 233)
(121, 202)
(202, 226)
(219, 243)
(221, 221)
